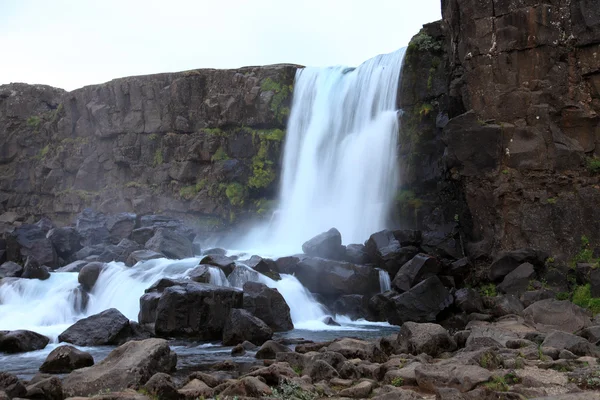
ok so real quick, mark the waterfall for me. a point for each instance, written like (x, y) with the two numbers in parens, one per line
(339, 164)
(385, 283)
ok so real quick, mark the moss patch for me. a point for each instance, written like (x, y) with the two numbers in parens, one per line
(236, 193)
(280, 94)
(220, 155)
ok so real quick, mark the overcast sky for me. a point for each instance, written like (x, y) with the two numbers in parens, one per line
(72, 43)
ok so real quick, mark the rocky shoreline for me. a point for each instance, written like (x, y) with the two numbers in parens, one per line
(510, 331)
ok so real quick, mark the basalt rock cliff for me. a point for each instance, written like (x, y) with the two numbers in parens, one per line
(500, 133)
(204, 145)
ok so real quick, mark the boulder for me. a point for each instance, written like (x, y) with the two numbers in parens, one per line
(217, 251)
(171, 244)
(386, 251)
(10, 270)
(268, 305)
(592, 334)
(33, 270)
(354, 306)
(128, 366)
(21, 341)
(575, 344)
(242, 274)
(247, 387)
(326, 245)
(65, 359)
(427, 338)
(195, 389)
(508, 261)
(225, 263)
(354, 348)
(105, 328)
(468, 301)
(142, 255)
(462, 377)
(29, 241)
(265, 266)
(551, 314)
(595, 282)
(422, 303)
(336, 278)
(161, 386)
(66, 241)
(269, 350)
(155, 222)
(517, 281)
(124, 249)
(47, 389)
(357, 254)
(242, 325)
(274, 373)
(91, 226)
(89, 275)
(75, 266)
(200, 274)
(321, 370)
(361, 390)
(120, 226)
(11, 385)
(507, 305)
(189, 309)
(419, 268)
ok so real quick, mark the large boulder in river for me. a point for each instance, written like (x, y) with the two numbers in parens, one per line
(422, 303)
(419, 268)
(242, 325)
(65, 240)
(33, 270)
(326, 245)
(225, 263)
(64, 359)
(128, 366)
(10, 270)
(21, 341)
(105, 328)
(88, 275)
(268, 305)
(354, 306)
(189, 309)
(171, 244)
(29, 241)
(336, 278)
(142, 255)
(551, 314)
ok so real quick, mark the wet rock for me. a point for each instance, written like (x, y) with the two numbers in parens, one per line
(130, 365)
(33, 270)
(242, 274)
(65, 359)
(66, 241)
(10, 270)
(269, 350)
(387, 252)
(330, 321)
(354, 348)
(238, 350)
(468, 301)
(200, 274)
(161, 386)
(419, 268)
(268, 305)
(171, 244)
(354, 306)
(357, 254)
(88, 275)
(242, 325)
(426, 338)
(47, 389)
(326, 245)
(506, 262)
(142, 255)
(29, 241)
(189, 309)
(336, 278)
(575, 344)
(11, 385)
(422, 303)
(560, 315)
(265, 266)
(21, 341)
(517, 281)
(216, 251)
(100, 329)
(225, 263)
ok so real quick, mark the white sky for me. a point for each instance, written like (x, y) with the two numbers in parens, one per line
(72, 43)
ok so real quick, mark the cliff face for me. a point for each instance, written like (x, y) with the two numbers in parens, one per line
(512, 131)
(204, 144)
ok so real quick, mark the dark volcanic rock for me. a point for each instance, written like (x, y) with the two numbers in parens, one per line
(553, 314)
(357, 254)
(10, 270)
(64, 359)
(507, 262)
(88, 275)
(242, 325)
(49, 388)
(326, 245)
(99, 329)
(65, 240)
(354, 306)
(200, 274)
(335, 278)
(128, 366)
(33, 270)
(21, 341)
(120, 226)
(223, 262)
(426, 338)
(269, 350)
(142, 255)
(268, 305)
(517, 281)
(91, 225)
(189, 309)
(265, 266)
(11, 385)
(171, 244)
(422, 303)
(419, 268)
(29, 241)
(387, 252)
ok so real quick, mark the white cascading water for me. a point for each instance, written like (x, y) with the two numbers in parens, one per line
(385, 283)
(339, 165)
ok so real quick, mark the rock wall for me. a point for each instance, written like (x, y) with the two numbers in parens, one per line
(508, 139)
(204, 145)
